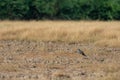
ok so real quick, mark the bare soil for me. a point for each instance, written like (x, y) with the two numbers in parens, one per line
(34, 60)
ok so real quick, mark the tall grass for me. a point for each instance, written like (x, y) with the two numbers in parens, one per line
(96, 32)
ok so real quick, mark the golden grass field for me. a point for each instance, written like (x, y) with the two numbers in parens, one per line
(46, 50)
(96, 32)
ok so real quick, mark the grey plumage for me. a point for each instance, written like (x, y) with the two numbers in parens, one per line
(80, 52)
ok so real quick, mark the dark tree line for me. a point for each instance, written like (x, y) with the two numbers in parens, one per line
(60, 9)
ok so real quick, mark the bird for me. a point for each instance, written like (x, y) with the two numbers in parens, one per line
(81, 52)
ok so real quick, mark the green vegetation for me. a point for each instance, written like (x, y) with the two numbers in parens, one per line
(60, 9)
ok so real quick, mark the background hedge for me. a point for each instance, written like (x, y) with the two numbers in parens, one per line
(60, 9)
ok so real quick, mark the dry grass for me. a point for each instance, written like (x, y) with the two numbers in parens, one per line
(8, 67)
(99, 33)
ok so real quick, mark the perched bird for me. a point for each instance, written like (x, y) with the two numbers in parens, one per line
(80, 52)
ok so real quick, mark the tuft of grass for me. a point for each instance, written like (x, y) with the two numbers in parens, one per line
(61, 76)
(96, 32)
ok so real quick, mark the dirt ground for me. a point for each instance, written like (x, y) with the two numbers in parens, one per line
(33, 60)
